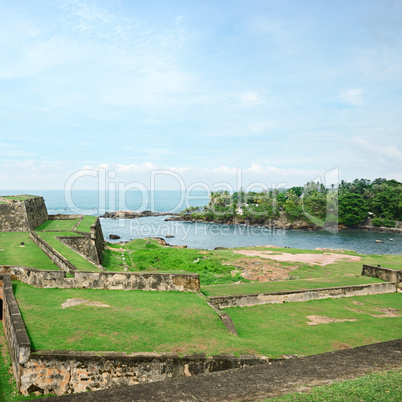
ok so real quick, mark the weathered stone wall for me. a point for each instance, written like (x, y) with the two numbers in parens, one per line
(386, 274)
(72, 372)
(57, 259)
(13, 217)
(302, 295)
(98, 239)
(64, 217)
(36, 211)
(18, 342)
(104, 280)
(22, 216)
(83, 245)
(92, 248)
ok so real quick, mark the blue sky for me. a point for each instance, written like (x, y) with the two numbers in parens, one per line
(284, 90)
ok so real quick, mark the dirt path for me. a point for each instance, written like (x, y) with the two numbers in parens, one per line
(259, 382)
(322, 259)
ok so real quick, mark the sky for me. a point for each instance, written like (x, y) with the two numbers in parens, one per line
(198, 92)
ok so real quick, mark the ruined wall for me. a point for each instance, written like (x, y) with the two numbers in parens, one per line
(302, 295)
(22, 216)
(57, 259)
(386, 274)
(103, 280)
(18, 342)
(72, 372)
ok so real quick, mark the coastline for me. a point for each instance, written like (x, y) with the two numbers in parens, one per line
(281, 223)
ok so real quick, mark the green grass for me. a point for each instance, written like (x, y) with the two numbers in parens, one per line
(218, 267)
(278, 329)
(149, 255)
(8, 387)
(81, 263)
(279, 286)
(86, 223)
(30, 255)
(185, 323)
(189, 325)
(21, 197)
(382, 386)
(62, 224)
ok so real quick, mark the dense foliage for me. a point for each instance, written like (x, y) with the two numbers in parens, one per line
(350, 203)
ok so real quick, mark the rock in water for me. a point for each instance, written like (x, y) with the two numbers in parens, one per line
(114, 237)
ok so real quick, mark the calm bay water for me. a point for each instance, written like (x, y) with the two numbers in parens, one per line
(203, 235)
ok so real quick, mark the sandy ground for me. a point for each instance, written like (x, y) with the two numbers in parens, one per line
(322, 259)
(322, 319)
(78, 300)
(263, 270)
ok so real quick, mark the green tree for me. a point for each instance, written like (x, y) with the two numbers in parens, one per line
(352, 209)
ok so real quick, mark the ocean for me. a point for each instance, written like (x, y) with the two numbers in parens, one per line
(202, 235)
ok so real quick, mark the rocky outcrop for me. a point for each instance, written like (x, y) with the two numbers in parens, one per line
(133, 214)
(281, 223)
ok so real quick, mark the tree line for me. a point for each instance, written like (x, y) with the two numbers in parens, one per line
(349, 204)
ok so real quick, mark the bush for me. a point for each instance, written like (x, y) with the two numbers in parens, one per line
(377, 222)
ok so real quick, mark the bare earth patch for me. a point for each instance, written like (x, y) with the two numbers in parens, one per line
(387, 312)
(341, 345)
(78, 300)
(322, 259)
(262, 270)
(322, 319)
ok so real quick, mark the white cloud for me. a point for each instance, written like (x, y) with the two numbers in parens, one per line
(54, 175)
(251, 98)
(387, 152)
(261, 126)
(352, 96)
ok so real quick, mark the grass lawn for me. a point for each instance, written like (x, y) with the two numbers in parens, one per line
(136, 322)
(187, 324)
(277, 329)
(80, 262)
(279, 286)
(63, 224)
(85, 225)
(149, 255)
(21, 197)
(382, 386)
(30, 255)
(220, 273)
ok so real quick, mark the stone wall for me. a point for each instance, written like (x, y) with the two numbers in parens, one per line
(386, 274)
(90, 245)
(18, 342)
(64, 217)
(57, 259)
(22, 216)
(302, 295)
(63, 372)
(98, 239)
(83, 245)
(36, 211)
(104, 280)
